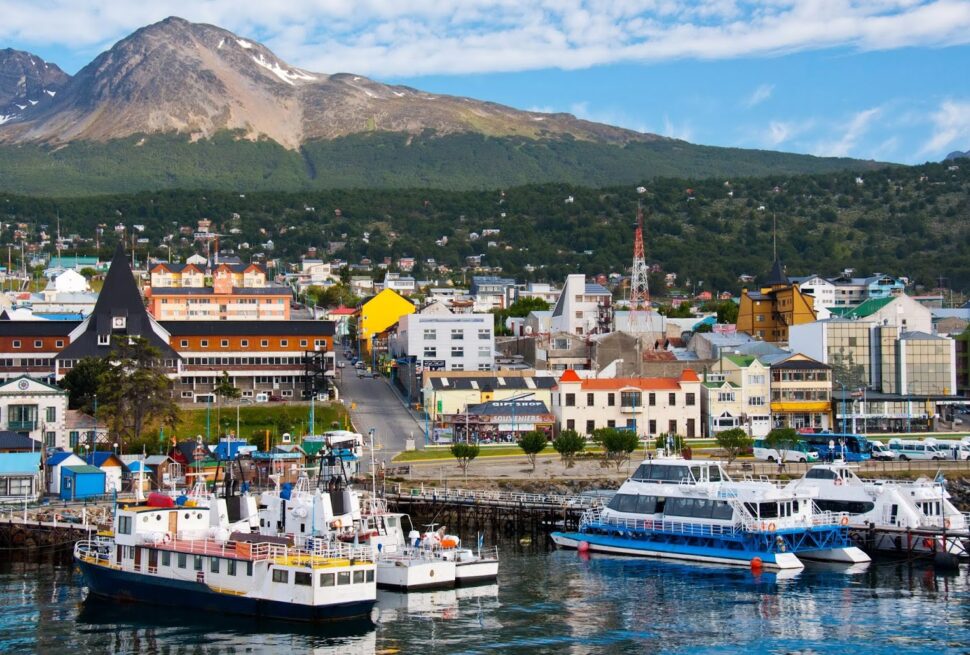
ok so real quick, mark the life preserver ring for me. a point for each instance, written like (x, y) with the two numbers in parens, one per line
(166, 538)
(844, 521)
(838, 482)
(771, 527)
(336, 524)
(946, 523)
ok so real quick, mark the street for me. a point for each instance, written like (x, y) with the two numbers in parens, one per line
(373, 405)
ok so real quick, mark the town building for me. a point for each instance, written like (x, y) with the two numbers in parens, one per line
(648, 406)
(801, 392)
(376, 315)
(437, 339)
(20, 476)
(498, 420)
(736, 393)
(899, 311)
(239, 292)
(848, 291)
(778, 304)
(582, 308)
(492, 292)
(53, 468)
(450, 392)
(34, 409)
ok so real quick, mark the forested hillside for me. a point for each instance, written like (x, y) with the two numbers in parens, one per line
(904, 221)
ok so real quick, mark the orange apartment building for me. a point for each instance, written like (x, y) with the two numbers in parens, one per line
(239, 292)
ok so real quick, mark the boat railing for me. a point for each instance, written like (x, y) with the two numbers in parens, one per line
(95, 551)
(598, 519)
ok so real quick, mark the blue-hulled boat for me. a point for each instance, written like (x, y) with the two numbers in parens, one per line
(692, 510)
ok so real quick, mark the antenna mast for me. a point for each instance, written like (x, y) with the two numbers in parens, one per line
(639, 289)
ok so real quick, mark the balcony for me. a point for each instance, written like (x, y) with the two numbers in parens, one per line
(630, 409)
(21, 426)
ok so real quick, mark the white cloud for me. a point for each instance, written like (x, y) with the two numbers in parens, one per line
(683, 131)
(851, 133)
(759, 95)
(951, 128)
(390, 37)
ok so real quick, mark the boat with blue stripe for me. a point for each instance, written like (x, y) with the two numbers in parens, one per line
(692, 510)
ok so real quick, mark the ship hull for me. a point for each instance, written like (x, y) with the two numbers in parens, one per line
(667, 550)
(128, 586)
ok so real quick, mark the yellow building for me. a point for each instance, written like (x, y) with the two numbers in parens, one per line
(768, 313)
(377, 314)
(801, 393)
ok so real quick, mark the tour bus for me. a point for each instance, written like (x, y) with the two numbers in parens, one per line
(918, 450)
(798, 452)
(831, 446)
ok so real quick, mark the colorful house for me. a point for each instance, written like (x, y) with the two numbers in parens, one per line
(19, 476)
(377, 314)
(55, 463)
(82, 481)
(112, 466)
(767, 314)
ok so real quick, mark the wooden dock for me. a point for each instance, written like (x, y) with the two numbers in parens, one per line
(490, 512)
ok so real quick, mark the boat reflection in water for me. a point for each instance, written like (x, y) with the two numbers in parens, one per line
(441, 604)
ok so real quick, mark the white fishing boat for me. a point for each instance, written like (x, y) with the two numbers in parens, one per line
(898, 516)
(692, 510)
(181, 556)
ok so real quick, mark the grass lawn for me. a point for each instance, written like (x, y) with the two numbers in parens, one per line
(254, 420)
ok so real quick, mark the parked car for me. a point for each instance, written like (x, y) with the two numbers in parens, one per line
(881, 451)
(359, 364)
(275, 398)
(262, 397)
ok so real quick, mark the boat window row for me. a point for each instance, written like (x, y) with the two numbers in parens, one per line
(699, 508)
(231, 566)
(774, 510)
(847, 506)
(930, 508)
(671, 473)
(340, 578)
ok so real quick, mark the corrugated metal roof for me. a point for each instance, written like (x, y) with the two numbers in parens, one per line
(84, 468)
(19, 463)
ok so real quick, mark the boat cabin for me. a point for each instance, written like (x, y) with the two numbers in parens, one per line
(680, 472)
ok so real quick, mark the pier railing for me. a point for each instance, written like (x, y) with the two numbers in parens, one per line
(497, 498)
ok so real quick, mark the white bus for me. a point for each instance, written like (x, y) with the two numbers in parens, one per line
(917, 450)
(799, 452)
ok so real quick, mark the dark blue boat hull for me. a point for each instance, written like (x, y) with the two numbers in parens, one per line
(142, 588)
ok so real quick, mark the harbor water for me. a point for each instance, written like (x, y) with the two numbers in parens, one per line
(544, 602)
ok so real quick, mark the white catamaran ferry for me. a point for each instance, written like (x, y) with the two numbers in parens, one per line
(691, 510)
(889, 515)
(184, 556)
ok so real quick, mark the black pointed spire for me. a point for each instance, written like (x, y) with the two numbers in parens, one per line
(777, 274)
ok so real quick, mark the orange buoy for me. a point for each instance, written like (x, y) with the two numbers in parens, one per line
(756, 563)
(583, 547)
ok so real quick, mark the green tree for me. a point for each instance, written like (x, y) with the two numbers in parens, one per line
(83, 382)
(617, 444)
(568, 444)
(464, 453)
(225, 389)
(135, 390)
(782, 440)
(532, 443)
(727, 312)
(733, 442)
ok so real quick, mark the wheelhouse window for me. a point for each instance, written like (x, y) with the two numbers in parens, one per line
(343, 577)
(303, 578)
(281, 575)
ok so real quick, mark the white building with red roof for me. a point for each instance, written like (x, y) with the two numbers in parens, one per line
(650, 406)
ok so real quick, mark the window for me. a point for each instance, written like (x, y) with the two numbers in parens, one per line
(757, 401)
(370, 575)
(611, 424)
(284, 343)
(204, 343)
(672, 426)
(570, 424)
(430, 335)
(631, 398)
(725, 396)
(184, 343)
(197, 562)
(264, 343)
(224, 343)
(756, 379)
(166, 558)
(249, 569)
(281, 575)
(652, 400)
(182, 559)
(16, 343)
(103, 340)
(343, 577)
(457, 351)
(611, 399)
(652, 426)
(590, 426)
(690, 400)
(50, 439)
(59, 343)
(326, 579)
(484, 351)
(38, 343)
(303, 578)
(358, 577)
(570, 400)
(303, 343)
(231, 567)
(124, 525)
(484, 333)
(244, 343)
(430, 351)
(672, 399)
(213, 564)
(589, 400)
(457, 334)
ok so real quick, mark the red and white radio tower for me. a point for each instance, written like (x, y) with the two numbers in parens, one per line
(639, 289)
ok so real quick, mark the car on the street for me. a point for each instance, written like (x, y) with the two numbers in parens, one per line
(881, 451)
(275, 398)
(359, 365)
(341, 364)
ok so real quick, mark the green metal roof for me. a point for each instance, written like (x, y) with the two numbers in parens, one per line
(743, 361)
(867, 308)
(718, 385)
(83, 468)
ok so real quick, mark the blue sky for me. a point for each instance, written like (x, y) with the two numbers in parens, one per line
(880, 79)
